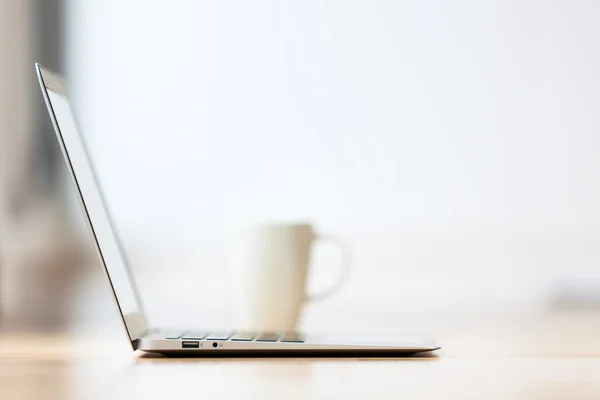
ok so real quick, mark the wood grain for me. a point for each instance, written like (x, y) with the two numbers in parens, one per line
(543, 356)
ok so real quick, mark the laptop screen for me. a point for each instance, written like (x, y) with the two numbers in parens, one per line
(93, 206)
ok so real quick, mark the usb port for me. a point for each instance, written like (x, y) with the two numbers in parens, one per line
(187, 344)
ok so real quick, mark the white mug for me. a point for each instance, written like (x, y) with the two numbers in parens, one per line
(269, 270)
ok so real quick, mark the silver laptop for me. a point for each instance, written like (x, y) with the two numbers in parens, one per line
(200, 341)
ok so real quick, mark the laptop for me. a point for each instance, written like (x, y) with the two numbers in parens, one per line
(201, 341)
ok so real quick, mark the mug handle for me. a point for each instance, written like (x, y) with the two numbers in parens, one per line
(344, 273)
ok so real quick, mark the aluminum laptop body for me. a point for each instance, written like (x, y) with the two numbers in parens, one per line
(191, 342)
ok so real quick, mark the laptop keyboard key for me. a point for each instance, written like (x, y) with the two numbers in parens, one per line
(243, 336)
(174, 335)
(217, 336)
(194, 335)
(268, 337)
(292, 337)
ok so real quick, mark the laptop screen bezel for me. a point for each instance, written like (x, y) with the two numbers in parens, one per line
(134, 323)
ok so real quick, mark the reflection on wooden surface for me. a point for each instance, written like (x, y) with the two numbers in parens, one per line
(542, 356)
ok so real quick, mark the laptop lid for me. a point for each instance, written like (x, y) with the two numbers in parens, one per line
(92, 205)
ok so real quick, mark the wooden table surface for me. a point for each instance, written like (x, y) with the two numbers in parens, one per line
(544, 356)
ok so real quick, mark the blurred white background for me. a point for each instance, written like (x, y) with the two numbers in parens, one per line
(453, 145)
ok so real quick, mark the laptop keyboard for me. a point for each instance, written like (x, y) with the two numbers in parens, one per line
(290, 337)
